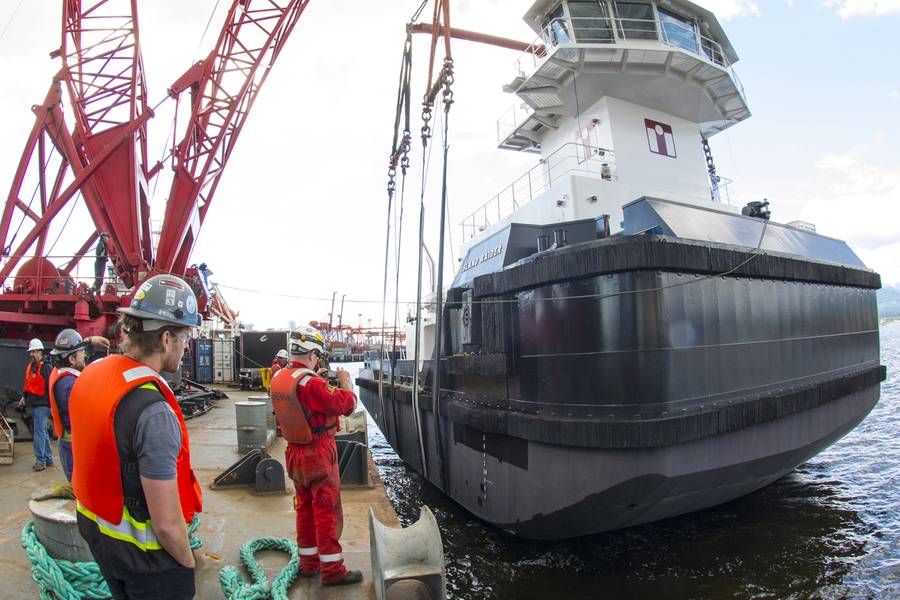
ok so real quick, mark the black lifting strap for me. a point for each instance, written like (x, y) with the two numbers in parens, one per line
(403, 100)
(399, 155)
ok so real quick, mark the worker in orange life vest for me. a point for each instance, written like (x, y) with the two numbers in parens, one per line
(280, 361)
(34, 395)
(307, 408)
(69, 354)
(134, 487)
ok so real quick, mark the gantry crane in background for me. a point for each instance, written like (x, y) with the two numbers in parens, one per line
(101, 159)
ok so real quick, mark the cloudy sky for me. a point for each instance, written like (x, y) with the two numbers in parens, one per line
(301, 210)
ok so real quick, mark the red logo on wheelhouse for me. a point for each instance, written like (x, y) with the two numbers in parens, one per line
(660, 138)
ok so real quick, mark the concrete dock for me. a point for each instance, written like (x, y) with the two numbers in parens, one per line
(230, 517)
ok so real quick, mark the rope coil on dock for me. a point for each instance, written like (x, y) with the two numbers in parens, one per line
(236, 588)
(66, 580)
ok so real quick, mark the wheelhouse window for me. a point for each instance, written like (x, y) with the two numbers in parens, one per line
(556, 28)
(679, 31)
(636, 21)
(590, 21)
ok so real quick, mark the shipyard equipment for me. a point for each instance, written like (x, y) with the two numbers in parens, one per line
(101, 159)
(407, 563)
(255, 469)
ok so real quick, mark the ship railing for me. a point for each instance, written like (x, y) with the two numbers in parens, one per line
(569, 32)
(720, 189)
(570, 158)
(512, 119)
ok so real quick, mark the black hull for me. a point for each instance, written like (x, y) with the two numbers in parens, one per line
(621, 382)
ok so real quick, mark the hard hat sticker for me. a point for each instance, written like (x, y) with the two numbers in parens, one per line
(171, 283)
(191, 304)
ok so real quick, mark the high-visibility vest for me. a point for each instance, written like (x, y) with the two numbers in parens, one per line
(97, 471)
(55, 376)
(34, 381)
(298, 423)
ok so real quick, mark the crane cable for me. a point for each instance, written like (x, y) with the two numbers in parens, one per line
(399, 156)
(444, 80)
(398, 210)
(19, 5)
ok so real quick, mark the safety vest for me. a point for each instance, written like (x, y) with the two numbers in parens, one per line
(297, 424)
(98, 472)
(34, 381)
(55, 376)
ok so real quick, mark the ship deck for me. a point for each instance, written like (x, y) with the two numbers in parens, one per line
(230, 517)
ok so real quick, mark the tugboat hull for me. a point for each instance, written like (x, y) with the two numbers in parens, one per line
(547, 492)
(623, 380)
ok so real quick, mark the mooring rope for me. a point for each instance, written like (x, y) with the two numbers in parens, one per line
(235, 587)
(67, 580)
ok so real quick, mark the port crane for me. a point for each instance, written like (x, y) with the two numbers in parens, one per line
(101, 159)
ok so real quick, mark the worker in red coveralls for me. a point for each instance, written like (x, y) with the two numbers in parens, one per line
(307, 408)
(280, 361)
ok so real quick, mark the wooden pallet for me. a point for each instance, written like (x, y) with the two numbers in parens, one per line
(7, 442)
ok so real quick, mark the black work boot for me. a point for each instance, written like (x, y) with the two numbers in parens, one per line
(349, 578)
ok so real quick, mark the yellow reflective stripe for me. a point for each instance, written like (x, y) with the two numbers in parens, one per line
(129, 530)
(126, 516)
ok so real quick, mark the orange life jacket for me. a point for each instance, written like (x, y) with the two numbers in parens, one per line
(96, 472)
(34, 381)
(293, 416)
(55, 376)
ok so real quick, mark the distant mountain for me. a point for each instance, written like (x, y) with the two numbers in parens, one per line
(889, 301)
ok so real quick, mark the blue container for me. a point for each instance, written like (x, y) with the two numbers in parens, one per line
(203, 361)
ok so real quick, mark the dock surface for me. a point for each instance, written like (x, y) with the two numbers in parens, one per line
(229, 519)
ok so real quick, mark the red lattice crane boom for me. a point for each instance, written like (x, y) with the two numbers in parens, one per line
(102, 160)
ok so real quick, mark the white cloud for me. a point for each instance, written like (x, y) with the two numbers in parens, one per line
(864, 8)
(729, 9)
(856, 197)
(895, 95)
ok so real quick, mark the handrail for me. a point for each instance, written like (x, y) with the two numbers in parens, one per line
(568, 158)
(571, 31)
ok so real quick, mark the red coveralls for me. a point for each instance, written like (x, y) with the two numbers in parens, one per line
(314, 469)
(277, 365)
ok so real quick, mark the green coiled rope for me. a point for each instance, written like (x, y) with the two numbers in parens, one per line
(67, 580)
(236, 588)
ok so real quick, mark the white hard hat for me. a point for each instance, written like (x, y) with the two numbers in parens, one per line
(282, 354)
(305, 340)
(35, 344)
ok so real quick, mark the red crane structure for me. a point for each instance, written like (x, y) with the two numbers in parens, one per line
(101, 160)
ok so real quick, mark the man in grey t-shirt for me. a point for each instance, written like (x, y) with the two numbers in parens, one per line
(145, 552)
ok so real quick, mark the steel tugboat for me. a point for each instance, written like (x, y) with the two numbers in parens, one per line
(621, 344)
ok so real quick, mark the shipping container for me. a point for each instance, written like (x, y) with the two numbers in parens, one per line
(258, 348)
(223, 360)
(203, 360)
